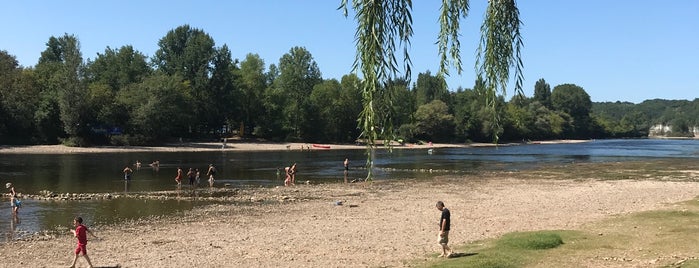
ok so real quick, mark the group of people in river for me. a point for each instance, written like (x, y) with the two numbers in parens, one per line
(194, 176)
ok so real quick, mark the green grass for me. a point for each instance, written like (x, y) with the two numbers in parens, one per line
(509, 251)
(530, 240)
(659, 238)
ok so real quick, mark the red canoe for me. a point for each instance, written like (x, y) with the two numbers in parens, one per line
(321, 146)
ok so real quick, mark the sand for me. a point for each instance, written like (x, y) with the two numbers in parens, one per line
(381, 224)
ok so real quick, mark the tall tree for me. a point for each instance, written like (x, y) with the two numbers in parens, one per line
(384, 25)
(430, 87)
(118, 68)
(222, 92)
(18, 100)
(60, 70)
(434, 122)
(110, 72)
(350, 106)
(542, 93)
(299, 73)
(574, 101)
(253, 83)
(155, 107)
(189, 53)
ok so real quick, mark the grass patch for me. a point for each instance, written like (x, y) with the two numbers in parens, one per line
(509, 251)
(660, 238)
(531, 240)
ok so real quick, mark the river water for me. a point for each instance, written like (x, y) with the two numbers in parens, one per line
(102, 173)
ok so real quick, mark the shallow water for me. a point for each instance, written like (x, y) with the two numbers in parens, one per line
(79, 173)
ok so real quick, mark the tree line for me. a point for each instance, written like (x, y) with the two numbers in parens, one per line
(192, 89)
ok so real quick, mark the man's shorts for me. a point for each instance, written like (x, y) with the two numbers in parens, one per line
(443, 238)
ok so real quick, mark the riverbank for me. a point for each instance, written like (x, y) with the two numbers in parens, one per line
(234, 146)
(381, 224)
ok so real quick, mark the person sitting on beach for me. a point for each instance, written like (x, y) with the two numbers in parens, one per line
(127, 173)
(211, 172)
(80, 233)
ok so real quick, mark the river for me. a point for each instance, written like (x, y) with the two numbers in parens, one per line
(102, 173)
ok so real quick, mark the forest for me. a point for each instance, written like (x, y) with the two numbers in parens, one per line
(192, 90)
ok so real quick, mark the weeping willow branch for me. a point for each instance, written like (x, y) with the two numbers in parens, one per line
(498, 51)
(384, 27)
(448, 42)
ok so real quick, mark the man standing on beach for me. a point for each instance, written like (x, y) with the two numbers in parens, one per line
(444, 226)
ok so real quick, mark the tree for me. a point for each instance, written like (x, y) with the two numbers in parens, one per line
(350, 103)
(429, 88)
(381, 25)
(253, 83)
(156, 107)
(60, 70)
(189, 53)
(111, 72)
(434, 122)
(118, 68)
(325, 110)
(542, 93)
(298, 74)
(18, 100)
(222, 92)
(574, 101)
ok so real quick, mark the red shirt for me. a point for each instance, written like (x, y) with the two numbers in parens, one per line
(81, 234)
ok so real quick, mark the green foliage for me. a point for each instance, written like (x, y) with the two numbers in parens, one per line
(510, 250)
(298, 75)
(158, 107)
(193, 88)
(574, 101)
(18, 101)
(118, 68)
(252, 86)
(542, 93)
(434, 122)
(531, 240)
(429, 88)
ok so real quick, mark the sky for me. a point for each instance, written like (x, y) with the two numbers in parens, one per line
(621, 50)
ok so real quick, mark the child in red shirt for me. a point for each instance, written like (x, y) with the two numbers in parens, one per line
(80, 233)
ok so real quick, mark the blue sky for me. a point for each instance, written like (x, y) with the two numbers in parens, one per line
(618, 50)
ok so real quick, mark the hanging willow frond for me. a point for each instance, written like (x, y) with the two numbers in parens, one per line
(498, 51)
(448, 42)
(383, 27)
(500, 46)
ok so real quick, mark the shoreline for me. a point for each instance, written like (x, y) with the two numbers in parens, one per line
(303, 226)
(239, 146)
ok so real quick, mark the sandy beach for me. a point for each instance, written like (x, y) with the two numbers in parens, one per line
(230, 146)
(381, 224)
